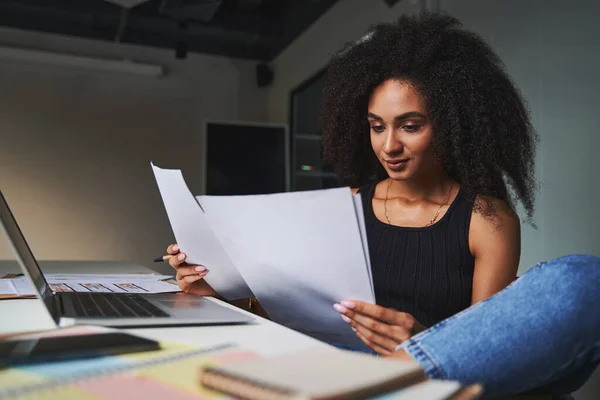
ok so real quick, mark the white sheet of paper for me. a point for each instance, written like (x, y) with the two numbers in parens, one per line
(104, 277)
(300, 252)
(112, 285)
(195, 236)
(146, 287)
(23, 286)
(6, 287)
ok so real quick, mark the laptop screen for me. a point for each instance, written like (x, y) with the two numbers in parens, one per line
(22, 250)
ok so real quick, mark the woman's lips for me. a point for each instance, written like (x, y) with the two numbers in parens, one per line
(396, 164)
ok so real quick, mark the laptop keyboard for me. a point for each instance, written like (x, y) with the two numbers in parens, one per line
(113, 305)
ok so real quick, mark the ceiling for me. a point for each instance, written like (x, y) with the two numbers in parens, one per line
(249, 29)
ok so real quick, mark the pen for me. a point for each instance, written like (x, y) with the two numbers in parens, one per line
(162, 258)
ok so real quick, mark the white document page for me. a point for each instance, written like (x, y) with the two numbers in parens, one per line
(110, 284)
(6, 287)
(300, 252)
(196, 238)
(123, 287)
(23, 286)
(104, 277)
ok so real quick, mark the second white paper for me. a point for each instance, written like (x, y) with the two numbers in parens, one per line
(300, 253)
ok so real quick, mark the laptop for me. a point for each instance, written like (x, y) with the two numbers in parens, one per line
(113, 309)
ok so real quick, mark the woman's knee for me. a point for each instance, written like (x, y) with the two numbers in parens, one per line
(575, 279)
(577, 268)
(571, 279)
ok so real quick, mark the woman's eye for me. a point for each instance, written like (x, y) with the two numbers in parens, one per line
(411, 128)
(378, 128)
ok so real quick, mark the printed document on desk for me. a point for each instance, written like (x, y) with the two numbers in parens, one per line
(196, 238)
(299, 252)
(21, 286)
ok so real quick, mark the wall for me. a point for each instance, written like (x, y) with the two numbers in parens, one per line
(76, 146)
(346, 21)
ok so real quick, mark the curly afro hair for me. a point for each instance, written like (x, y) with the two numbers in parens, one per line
(481, 126)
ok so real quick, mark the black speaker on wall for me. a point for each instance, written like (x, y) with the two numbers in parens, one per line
(264, 75)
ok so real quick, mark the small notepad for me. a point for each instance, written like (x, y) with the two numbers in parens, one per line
(318, 374)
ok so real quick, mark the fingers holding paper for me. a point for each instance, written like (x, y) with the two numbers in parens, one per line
(175, 257)
(380, 328)
(173, 249)
(188, 276)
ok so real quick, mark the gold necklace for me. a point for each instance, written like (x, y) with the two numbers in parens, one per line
(434, 217)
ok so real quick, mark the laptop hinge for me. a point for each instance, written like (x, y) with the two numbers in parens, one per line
(58, 307)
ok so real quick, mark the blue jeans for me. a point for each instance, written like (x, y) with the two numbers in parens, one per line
(539, 335)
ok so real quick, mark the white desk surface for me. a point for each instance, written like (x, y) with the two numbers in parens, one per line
(262, 336)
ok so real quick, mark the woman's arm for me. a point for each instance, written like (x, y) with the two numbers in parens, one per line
(496, 245)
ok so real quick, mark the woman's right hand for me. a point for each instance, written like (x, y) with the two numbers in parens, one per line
(190, 278)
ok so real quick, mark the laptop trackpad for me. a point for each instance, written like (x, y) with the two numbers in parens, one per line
(195, 307)
(186, 307)
(181, 304)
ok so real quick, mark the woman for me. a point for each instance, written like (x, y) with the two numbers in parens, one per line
(421, 116)
(422, 119)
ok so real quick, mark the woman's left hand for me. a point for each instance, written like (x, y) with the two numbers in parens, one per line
(380, 328)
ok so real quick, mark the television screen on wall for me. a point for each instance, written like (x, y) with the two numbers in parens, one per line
(246, 159)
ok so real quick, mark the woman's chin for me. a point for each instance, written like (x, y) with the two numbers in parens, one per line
(398, 175)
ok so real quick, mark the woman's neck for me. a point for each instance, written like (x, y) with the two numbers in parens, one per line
(434, 183)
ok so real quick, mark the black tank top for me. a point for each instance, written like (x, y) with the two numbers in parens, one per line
(426, 272)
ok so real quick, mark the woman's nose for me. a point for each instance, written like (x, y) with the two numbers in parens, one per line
(392, 145)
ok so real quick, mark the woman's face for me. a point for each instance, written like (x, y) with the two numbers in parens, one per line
(400, 130)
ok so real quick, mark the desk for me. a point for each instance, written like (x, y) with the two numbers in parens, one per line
(262, 336)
